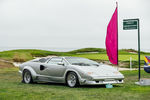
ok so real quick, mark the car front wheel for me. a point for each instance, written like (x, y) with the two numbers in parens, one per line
(72, 79)
(27, 78)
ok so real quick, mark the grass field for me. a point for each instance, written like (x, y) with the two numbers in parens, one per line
(11, 88)
(97, 54)
(122, 57)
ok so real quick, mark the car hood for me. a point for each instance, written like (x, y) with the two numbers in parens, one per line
(102, 70)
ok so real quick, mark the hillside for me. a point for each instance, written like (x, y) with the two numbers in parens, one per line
(98, 54)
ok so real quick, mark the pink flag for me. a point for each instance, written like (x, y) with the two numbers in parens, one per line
(112, 39)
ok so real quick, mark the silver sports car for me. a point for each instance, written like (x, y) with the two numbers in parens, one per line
(70, 70)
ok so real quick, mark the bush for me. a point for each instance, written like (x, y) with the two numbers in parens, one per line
(21, 57)
(85, 50)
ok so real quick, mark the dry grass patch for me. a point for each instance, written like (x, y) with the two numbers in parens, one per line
(5, 64)
(21, 57)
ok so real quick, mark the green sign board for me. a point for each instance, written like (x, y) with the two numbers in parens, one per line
(129, 24)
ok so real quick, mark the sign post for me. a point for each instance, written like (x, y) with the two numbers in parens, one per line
(130, 24)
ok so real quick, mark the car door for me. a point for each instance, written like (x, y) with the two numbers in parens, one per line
(54, 69)
(39, 68)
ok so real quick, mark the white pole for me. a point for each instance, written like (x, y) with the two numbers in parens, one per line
(130, 63)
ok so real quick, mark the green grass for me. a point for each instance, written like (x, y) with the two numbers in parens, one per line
(86, 50)
(11, 88)
(122, 57)
(27, 54)
(98, 54)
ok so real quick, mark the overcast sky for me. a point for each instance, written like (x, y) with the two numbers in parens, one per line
(70, 23)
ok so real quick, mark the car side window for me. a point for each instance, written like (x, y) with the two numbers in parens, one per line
(55, 61)
(64, 62)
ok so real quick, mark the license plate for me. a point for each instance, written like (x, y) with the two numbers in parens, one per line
(108, 81)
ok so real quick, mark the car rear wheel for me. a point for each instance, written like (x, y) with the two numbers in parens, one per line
(72, 79)
(27, 78)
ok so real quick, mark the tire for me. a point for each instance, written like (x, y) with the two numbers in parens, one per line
(72, 79)
(27, 77)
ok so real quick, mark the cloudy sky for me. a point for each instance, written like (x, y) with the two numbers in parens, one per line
(70, 23)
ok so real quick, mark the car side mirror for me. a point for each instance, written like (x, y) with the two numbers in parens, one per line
(61, 63)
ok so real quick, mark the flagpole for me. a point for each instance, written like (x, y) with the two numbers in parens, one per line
(117, 32)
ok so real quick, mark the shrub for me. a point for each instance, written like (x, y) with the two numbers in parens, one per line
(21, 57)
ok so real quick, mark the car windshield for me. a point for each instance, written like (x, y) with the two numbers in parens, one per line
(81, 61)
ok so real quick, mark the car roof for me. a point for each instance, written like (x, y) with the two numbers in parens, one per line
(65, 57)
(72, 57)
(45, 59)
